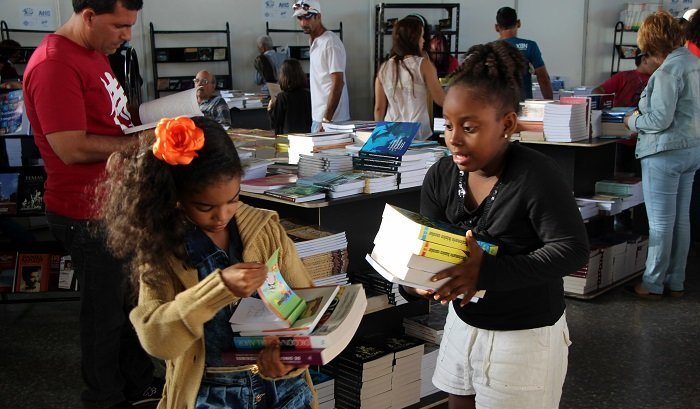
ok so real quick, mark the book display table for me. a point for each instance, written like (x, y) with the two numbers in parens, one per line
(359, 216)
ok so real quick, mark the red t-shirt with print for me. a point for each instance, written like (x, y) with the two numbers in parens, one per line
(67, 88)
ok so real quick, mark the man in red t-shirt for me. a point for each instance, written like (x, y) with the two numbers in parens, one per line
(628, 85)
(78, 112)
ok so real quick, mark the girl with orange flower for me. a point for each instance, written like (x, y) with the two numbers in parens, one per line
(174, 205)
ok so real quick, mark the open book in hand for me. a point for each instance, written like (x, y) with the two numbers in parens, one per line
(295, 311)
(180, 104)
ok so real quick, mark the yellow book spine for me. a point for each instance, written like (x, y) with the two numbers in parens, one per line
(438, 236)
(444, 253)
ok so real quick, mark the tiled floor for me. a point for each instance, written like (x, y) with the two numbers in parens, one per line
(627, 353)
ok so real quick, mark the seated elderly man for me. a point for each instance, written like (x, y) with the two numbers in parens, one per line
(210, 102)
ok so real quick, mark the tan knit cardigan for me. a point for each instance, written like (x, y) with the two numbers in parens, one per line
(169, 318)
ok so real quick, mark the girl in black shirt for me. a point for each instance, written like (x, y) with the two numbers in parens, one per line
(509, 349)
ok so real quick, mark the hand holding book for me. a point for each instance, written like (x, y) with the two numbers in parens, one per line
(269, 361)
(463, 277)
(244, 278)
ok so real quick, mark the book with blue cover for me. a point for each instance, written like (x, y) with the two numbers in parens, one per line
(390, 139)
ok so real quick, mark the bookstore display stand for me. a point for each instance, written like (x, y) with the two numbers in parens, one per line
(198, 55)
(383, 25)
(582, 165)
(299, 52)
(359, 216)
(621, 50)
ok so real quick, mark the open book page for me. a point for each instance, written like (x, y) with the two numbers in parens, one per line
(180, 104)
(274, 89)
(277, 294)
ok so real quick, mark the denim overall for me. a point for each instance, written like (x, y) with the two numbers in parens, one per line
(223, 387)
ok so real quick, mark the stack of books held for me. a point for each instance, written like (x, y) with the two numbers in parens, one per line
(336, 185)
(566, 122)
(410, 248)
(327, 161)
(363, 377)
(325, 388)
(386, 151)
(314, 324)
(323, 252)
(428, 327)
(307, 143)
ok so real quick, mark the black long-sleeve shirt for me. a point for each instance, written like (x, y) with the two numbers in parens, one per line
(534, 219)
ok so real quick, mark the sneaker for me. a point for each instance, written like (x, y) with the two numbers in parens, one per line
(152, 393)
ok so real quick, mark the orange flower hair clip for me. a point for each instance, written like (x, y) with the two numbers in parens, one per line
(177, 140)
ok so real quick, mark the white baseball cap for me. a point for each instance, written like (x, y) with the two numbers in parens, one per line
(689, 14)
(305, 7)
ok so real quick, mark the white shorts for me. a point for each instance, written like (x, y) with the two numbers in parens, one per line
(505, 369)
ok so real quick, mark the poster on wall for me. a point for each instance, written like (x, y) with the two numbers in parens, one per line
(277, 9)
(37, 18)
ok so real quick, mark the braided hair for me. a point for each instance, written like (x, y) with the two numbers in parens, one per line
(494, 73)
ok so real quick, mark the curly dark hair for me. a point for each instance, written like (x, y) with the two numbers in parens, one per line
(139, 199)
(494, 72)
(692, 29)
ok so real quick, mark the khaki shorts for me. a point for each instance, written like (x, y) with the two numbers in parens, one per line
(505, 369)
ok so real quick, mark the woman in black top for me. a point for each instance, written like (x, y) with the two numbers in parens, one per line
(290, 111)
(510, 348)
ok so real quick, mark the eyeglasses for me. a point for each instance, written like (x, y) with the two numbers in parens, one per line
(197, 81)
(307, 16)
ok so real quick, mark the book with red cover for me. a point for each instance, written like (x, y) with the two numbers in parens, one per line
(8, 261)
(33, 273)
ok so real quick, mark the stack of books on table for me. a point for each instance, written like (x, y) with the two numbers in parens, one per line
(325, 388)
(254, 168)
(260, 185)
(427, 369)
(307, 143)
(588, 209)
(587, 278)
(565, 122)
(410, 248)
(376, 182)
(324, 252)
(297, 193)
(428, 327)
(375, 284)
(406, 370)
(630, 188)
(336, 185)
(313, 324)
(327, 161)
(257, 143)
(387, 150)
(531, 121)
(363, 377)
(612, 122)
(350, 126)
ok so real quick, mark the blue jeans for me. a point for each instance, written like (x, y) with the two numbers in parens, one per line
(315, 126)
(667, 180)
(113, 364)
(245, 390)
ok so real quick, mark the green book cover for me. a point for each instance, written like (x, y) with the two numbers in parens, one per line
(277, 295)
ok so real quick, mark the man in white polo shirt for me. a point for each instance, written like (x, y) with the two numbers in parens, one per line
(329, 93)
